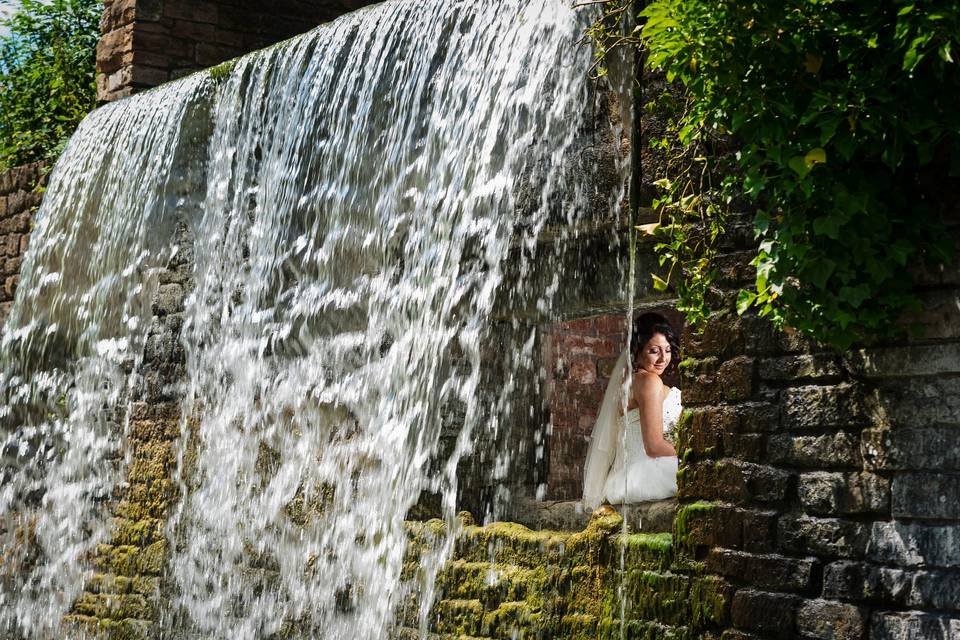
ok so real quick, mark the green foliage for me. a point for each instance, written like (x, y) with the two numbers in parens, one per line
(47, 77)
(846, 117)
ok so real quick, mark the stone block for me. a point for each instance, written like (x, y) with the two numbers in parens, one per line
(913, 625)
(144, 76)
(935, 590)
(19, 222)
(734, 481)
(915, 545)
(906, 361)
(830, 537)
(806, 367)
(762, 571)
(10, 286)
(939, 317)
(917, 402)
(11, 266)
(830, 620)
(227, 37)
(911, 449)
(837, 493)
(731, 381)
(821, 407)
(115, 49)
(744, 446)
(861, 581)
(762, 611)
(116, 14)
(926, 495)
(168, 299)
(191, 10)
(840, 450)
(209, 54)
(720, 337)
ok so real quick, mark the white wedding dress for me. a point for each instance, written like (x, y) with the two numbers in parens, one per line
(618, 469)
(635, 476)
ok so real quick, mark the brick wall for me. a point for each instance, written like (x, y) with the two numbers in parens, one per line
(148, 42)
(824, 487)
(19, 199)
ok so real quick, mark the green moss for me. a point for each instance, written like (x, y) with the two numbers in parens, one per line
(709, 600)
(686, 514)
(223, 70)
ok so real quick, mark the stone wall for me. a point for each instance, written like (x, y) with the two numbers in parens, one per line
(825, 487)
(20, 196)
(148, 42)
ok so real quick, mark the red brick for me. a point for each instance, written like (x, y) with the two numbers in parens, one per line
(579, 344)
(583, 371)
(614, 325)
(585, 326)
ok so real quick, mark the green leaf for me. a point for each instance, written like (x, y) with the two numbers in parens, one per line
(799, 166)
(745, 300)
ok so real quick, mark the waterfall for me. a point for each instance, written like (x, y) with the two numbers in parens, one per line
(360, 204)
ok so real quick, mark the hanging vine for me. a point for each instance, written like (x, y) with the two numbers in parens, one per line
(846, 121)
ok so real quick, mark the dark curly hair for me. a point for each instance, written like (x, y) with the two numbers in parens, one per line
(645, 326)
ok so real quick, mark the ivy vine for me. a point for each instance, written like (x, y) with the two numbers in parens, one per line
(846, 121)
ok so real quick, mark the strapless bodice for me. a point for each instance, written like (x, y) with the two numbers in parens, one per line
(633, 436)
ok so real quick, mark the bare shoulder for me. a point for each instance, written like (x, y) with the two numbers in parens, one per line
(647, 385)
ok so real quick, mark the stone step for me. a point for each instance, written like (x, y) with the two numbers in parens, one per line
(508, 543)
(568, 515)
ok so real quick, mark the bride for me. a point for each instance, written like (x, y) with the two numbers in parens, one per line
(629, 460)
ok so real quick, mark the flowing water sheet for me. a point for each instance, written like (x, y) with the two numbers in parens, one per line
(364, 191)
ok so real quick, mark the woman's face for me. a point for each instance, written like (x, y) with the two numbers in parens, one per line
(655, 355)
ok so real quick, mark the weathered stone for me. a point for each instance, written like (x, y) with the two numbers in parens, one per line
(763, 611)
(926, 495)
(923, 448)
(860, 581)
(115, 49)
(731, 381)
(763, 571)
(840, 450)
(830, 537)
(800, 368)
(720, 337)
(935, 590)
(829, 620)
(906, 361)
(733, 480)
(915, 545)
(815, 407)
(917, 402)
(939, 317)
(168, 299)
(832, 493)
(913, 625)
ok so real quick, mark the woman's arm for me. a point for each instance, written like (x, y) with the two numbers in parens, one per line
(648, 394)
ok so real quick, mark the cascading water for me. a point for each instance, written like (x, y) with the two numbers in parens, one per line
(361, 202)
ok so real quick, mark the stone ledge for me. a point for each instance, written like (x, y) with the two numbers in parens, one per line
(558, 515)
